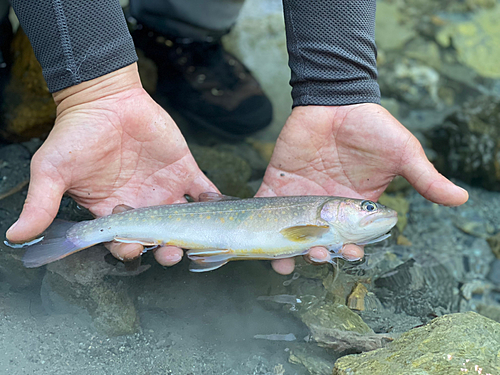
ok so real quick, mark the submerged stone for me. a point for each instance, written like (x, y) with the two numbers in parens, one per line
(29, 110)
(420, 288)
(336, 326)
(227, 171)
(468, 145)
(81, 280)
(477, 41)
(494, 242)
(451, 344)
(14, 169)
(388, 19)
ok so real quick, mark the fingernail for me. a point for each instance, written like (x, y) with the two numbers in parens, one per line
(12, 228)
(173, 258)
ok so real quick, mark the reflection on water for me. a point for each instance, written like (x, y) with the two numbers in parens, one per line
(439, 75)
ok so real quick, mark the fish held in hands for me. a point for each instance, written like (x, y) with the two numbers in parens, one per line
(219, 229)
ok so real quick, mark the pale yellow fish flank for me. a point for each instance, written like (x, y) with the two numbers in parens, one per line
(218, 231)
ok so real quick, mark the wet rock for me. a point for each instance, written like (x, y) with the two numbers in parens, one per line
(451, 344)
(315, 361)
(336, 326)
(494, 274)
(411, 82)
(467, 143)
(12, 270)
(148, 71)
(476, 41)
(81, 280)
(249, 154)
(356, 300)
(494, 242)
(403, 241)
(477, 258)
(227, 171)
(425, 51)
(265, 149)
(491, 311)
(388, 19)
(14, 169)
(29, 109)
(472, 223)
(421, 288)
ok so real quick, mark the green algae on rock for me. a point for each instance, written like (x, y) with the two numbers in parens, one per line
(451, 344)
(477, 41)
(388, 19)
(336, 326)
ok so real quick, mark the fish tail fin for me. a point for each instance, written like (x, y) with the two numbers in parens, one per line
(54, 245)
(208, 259)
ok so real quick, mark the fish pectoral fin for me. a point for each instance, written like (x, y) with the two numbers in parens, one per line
(141, 241)
(208, 259)
(121, 208)
(215, 197)
(304, 233)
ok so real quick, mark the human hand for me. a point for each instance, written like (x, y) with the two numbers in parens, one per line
(111, 144)
(352, 151)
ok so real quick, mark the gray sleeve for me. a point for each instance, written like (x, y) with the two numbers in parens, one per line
(332, 52)
(76, 40)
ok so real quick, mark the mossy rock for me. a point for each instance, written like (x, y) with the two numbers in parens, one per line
(28, 109)
(451, 344)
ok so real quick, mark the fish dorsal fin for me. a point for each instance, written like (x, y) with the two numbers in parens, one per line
(215, 197)
(304, 233)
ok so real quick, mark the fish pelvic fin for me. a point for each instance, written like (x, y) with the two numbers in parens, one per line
(208, 259)
(53, 246)
(304, 233)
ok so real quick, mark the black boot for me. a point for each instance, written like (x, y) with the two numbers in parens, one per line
(206, 84)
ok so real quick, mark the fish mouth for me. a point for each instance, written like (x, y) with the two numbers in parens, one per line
(390, 219)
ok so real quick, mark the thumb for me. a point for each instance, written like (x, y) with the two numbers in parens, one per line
(201, 184)
(431, 184)
(40, 207)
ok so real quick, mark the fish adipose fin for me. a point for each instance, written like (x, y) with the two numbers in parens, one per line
(215, 197)
(304, 233)
(208, 259)
(53, 246)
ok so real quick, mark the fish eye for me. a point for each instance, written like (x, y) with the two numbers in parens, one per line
(368, 206)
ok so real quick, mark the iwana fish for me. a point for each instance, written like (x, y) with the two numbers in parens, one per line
(219, 229)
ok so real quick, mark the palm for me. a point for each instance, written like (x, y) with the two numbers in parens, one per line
(123, 149)
(144, 160)
(352, 151)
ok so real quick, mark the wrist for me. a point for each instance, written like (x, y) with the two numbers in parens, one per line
(108, 85)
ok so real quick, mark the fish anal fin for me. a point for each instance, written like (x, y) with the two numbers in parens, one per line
(208, 259)
(141, 241)
(215, 197)
(304, 233)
